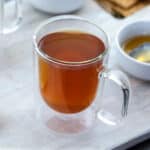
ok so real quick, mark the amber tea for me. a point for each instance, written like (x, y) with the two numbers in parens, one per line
(69, 88)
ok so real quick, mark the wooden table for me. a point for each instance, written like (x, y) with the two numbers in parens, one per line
(18, 126)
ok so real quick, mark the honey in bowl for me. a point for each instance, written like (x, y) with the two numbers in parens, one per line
(138, 47)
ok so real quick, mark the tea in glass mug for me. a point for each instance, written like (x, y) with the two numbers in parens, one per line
(70, 89)
(71, 67)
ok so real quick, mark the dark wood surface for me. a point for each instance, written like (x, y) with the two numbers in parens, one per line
(142, 146)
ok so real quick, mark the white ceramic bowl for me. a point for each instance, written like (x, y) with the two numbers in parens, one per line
(57, 6)
(138, 69)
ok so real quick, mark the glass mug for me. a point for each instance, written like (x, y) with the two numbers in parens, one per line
(10, 15)
(69, 93)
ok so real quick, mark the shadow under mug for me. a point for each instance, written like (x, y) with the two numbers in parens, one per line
(79, 106)
(10, 15)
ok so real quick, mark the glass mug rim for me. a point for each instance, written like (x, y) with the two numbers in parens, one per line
(70, 63)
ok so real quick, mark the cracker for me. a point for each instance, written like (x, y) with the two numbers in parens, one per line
(115, 9)
(125, 3)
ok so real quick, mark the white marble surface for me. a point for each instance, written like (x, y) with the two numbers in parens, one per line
(18, 126)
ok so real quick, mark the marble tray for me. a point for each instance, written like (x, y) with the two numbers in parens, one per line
(18, 126)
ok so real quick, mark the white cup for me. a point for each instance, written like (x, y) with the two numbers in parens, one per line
(57, 6)
(138, 69)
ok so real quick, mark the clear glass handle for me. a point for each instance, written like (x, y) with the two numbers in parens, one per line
(122, 81)
(10, 15)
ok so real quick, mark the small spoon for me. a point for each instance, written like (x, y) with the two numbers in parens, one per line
(141, 53)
